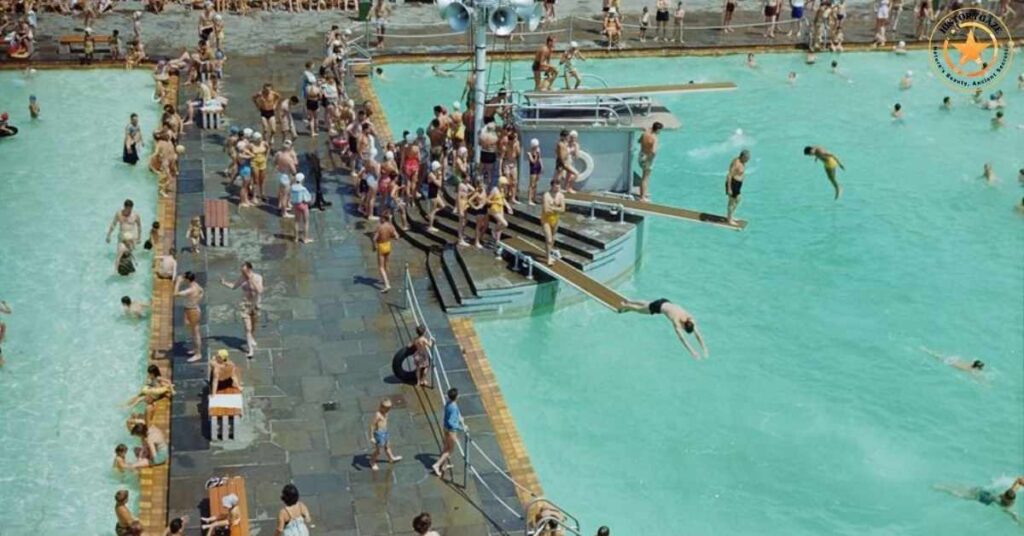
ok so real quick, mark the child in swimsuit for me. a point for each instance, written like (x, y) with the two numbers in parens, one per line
(534, 158)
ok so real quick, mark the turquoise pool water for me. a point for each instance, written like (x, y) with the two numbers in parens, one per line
(817, 412)
(72, 360)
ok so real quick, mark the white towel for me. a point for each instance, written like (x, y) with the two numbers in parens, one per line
(226, 401)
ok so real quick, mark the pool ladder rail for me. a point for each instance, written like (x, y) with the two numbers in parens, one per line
(545, 518)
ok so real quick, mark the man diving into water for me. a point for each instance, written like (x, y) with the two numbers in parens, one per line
(681, 319)
(830, 161)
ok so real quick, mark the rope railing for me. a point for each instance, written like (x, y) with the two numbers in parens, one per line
(443, 384)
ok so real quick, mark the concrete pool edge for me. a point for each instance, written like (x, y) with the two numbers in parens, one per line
(154, 482)
(510, 442)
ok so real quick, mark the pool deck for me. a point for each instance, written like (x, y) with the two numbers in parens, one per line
(323, 363)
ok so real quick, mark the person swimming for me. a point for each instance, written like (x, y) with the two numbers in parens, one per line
(973, 366)
(987, 497)
(830, 161)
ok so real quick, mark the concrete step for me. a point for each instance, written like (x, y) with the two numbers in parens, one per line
(445, 292)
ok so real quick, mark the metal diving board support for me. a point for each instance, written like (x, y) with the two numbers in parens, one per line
(653, 209)
(534, 257)
(665, 89)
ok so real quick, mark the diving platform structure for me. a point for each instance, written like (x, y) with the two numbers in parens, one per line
(601, 236)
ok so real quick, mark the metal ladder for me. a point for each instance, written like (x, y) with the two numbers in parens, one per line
(549, 520)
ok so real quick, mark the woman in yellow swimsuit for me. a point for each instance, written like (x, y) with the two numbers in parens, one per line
(830, 161)
(259, 165)
(382, 240)
(552, 206)
(497, 209)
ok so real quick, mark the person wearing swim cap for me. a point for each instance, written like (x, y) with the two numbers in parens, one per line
(300, 203)
(533, 159)
(570, 55)
(682, 321)
(734, 183)
(907, 81)
(230, 516)
(435, 186)
(830, 161)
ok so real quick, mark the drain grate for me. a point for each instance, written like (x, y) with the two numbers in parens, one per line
(330, 406)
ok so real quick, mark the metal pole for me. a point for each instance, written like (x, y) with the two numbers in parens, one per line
(465, 464)
(480, 69)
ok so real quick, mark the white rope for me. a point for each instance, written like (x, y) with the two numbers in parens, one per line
(685, 27)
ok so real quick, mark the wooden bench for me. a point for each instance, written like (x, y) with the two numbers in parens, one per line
(219, 414)
(217, 219)
(236, 485)
(66, 44)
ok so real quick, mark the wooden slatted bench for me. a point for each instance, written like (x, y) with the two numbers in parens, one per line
(66, 44)
(220, 414)
(236, 485)
(217, 217)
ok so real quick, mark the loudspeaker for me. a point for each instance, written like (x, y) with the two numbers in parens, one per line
(502, 21)
(442, 7)
(458, 16)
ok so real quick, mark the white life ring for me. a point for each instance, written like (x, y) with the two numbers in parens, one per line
(588, 166)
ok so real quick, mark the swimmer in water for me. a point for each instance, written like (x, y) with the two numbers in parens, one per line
(1005, 500)
(438, 71)
(133, 309)
(900, 48)
(830, 161)
(792, 78)
(988, 174)
(947, 103)
(4, 309)
(907, 81)
(751, 62)
(897, 112)
(682, 320)
(33, 107)
(997, 121)
(974, 366)
(810, 59)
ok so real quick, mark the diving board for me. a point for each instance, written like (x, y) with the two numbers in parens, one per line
(566, 273)
(654, 209)
(658, 89)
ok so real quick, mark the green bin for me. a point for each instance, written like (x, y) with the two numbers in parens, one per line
(364, 10)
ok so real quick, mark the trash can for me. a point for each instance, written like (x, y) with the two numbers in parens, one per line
(364, 10)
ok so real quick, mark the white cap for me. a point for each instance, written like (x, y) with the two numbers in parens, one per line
(287, 143)
(902, 44)
(229, 501)
(247, 132)
(217, 17)
(137, 14)
(257, 136)
(534, 142)
(910, 73)
(463, 150)
(574, 134)
(351, 103)
(389, 155)
(348, 31)
(299, 177)
(456, 105)
(435, 165)
(574, 44)
(88, 29)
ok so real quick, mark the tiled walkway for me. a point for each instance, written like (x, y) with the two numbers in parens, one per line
(323, 363)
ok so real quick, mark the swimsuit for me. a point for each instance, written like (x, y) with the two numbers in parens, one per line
(267, 114)
(661, 15)
(550, 218)
(655, 306)
(433, 191)
(830, 163)
(312, 105)
(736, 187)
(498, 204)
(384, 248)
(536, 168)
(259, 161)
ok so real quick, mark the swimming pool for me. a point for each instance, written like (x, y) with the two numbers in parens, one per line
(72, 360)
(817, 412)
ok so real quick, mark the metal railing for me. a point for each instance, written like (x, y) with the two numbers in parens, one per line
(443, 384)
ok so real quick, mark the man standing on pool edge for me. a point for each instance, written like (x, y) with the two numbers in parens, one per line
(251, 284)
(453, 424)
(734, 182)
(830, 161)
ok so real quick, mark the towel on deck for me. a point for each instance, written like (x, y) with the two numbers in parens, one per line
(233, 401)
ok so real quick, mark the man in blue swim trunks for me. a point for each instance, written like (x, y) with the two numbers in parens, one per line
(1005, 499)
(379, 435)
(453, 424)
(682, 321)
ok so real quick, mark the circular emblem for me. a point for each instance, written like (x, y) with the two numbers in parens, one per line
(970, 48)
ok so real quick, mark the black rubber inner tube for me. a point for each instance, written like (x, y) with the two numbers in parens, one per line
(402, 366)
